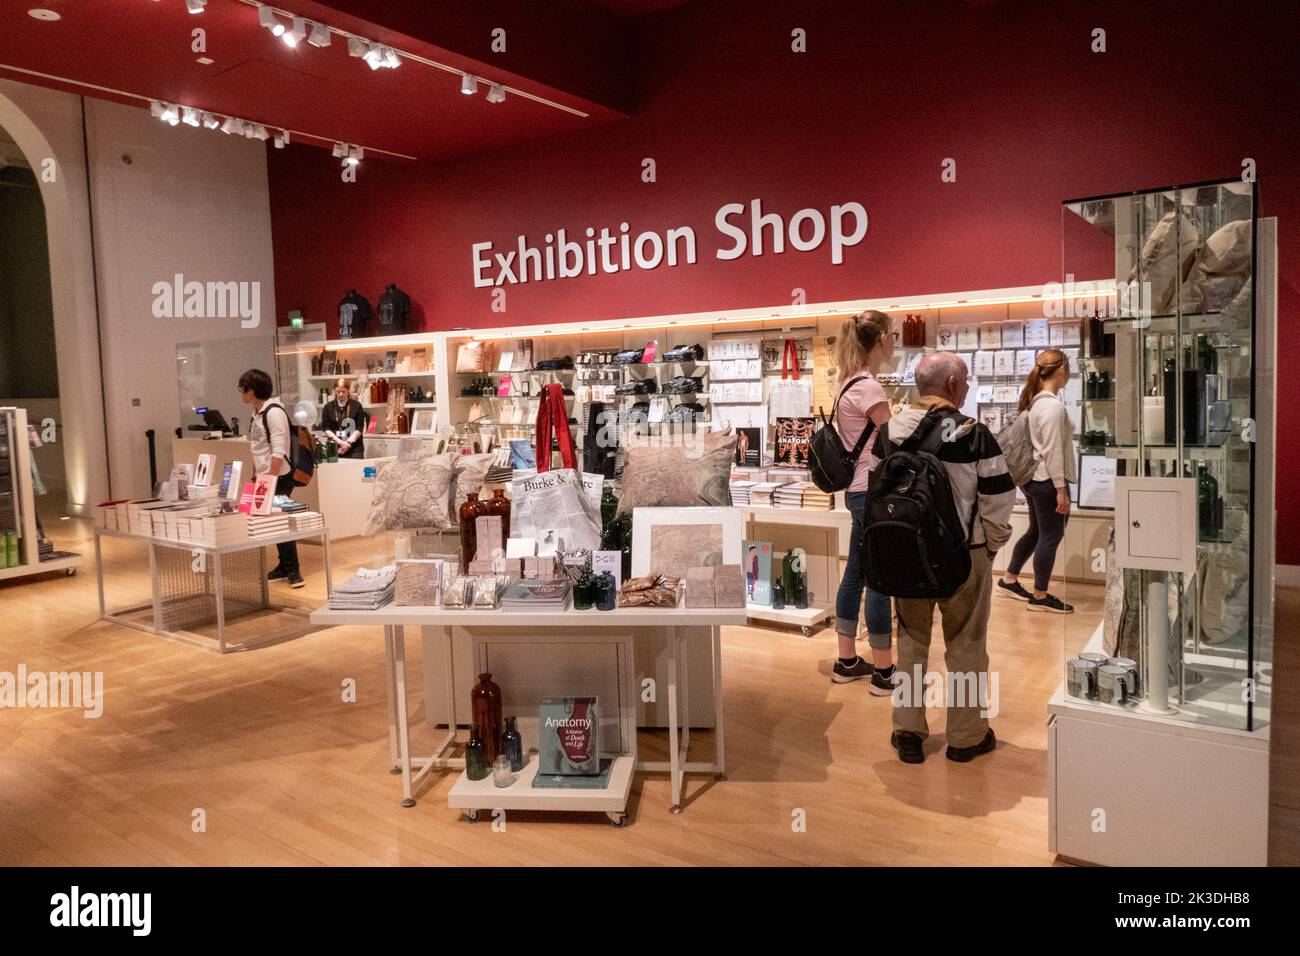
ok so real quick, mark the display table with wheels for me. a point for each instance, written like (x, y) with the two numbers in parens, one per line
(195, 585)
(500, 627)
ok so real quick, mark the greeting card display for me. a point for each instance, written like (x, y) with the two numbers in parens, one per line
(968, 338)
(1013, 335)
(1036, 334)
(1025, 361)
(1004, 362)
(990, 335)
(946, 338)
(983, 363)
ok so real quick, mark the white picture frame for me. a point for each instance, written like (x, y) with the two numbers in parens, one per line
(1096, 481)
(645, 519)
(423, 422)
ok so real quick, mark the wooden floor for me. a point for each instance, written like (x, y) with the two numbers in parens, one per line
(285, 772)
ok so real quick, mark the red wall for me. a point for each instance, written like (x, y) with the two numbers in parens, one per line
(1010, 90)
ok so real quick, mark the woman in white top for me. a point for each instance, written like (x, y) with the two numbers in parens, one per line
(865, 342)
(1047, 494)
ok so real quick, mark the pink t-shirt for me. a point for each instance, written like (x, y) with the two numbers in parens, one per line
(851, 418)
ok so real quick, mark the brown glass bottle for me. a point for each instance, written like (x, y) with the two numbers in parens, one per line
(485, 706)
(403, 423)
(469, 511)
(499, 505)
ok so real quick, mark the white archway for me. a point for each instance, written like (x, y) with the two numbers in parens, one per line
(64, 190)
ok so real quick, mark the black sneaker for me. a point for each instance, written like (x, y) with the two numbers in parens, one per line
(1051, 604)
(882, 682)
(844, 674)
(965, 754)
(277, 573)
(908, 746)
(295, 580)
(1013, 591)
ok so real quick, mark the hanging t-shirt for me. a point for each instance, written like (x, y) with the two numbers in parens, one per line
(394, 307)
(354, 313)
(851, 418)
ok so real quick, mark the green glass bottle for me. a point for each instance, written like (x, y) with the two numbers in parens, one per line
(608, 509)
(476, 762)
(1207, 504)
(778, 593)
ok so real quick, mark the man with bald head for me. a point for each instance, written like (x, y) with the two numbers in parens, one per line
(984, 494)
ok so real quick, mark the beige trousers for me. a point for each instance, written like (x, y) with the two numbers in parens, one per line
(965, 618)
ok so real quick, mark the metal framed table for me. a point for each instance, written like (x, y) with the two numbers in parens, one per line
(436, 627)
(209, 564)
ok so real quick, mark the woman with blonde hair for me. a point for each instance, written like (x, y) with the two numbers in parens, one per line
(1048, 494)
(865, 343)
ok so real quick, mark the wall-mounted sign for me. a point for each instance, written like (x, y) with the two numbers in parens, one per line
(558, 256)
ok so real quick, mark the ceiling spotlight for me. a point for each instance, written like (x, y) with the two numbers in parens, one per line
(195, 6)
(468, 85)
(210, 121)
(170, 115)
(357, 46)
(279, 140)
(320, 35)
(391, 59)
(375, 56)
(249, 130)
(190, 116)
(299, 31)
(496, 93)
(232, 125)
(355, 155)
(340, 150)
(267, 18)
(155, 109)
(260, 132)
(49, 16)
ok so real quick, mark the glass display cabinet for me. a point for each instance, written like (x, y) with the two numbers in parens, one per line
(1174, 684)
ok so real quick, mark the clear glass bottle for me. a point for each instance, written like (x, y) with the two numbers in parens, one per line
(512, 745)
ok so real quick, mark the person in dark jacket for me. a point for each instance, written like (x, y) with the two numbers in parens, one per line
(344, 420)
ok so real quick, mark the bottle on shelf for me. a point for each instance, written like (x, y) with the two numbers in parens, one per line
(512, 745)
(1209, 506)
(778, 593)
(477, 766)
(485, 707)
(1105, 387)
(469, 512)
(331, 450)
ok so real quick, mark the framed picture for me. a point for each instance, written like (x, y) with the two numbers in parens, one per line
(674, 540)
(1096, 481)
(422, 422)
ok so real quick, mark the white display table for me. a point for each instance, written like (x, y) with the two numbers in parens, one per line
(436, 626)
(207, 563)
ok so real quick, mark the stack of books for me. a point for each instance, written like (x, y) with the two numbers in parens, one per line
(306, 521)
(367, 590)
(220, 531)
(740, 491)
(761, 493)
(288, 505)
(268, 526)
(791, 495)
(527, 594)
(814, 497)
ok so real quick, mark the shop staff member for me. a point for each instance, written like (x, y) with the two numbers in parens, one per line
(866, 342)
(344, 420)
(984, 494)
(269, 435)
(1048, 493)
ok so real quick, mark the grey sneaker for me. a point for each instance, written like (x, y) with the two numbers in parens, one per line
(1013, 590)
(882, 682)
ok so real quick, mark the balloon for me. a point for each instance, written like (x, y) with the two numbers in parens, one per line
(305, 413)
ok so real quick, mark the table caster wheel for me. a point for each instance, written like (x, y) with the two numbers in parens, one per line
(617, 819)
(471, 816)
(807, 631)
(408, 802)
(675, 808)
(396, 771)
(70, 572)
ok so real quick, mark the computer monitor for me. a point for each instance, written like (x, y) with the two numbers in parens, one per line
(213, 420)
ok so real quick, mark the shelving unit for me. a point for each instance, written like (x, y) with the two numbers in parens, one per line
(18, 501)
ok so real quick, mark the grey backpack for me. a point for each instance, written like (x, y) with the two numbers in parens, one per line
(1018, 450)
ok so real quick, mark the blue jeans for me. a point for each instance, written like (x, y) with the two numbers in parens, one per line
(848, 602)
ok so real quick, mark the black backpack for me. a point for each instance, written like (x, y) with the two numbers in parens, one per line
(912, 545)
(832, 464)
